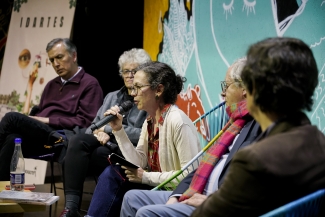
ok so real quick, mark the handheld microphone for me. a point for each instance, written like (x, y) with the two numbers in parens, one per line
(124, 107)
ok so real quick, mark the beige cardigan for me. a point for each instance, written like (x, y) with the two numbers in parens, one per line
(178, 144)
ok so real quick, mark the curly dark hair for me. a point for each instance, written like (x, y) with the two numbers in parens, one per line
(161, 73)
(281, 74)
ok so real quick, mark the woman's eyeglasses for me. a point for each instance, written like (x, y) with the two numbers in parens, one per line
(138, 87)
(126, 71)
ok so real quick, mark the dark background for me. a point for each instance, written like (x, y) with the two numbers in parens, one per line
(102, 31)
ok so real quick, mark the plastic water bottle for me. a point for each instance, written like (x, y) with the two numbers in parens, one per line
(17, 168)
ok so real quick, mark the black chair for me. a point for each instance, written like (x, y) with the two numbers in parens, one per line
(51, 158)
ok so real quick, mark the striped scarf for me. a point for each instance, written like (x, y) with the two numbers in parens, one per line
(238, 118)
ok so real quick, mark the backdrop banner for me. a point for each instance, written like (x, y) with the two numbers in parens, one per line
(26, 68)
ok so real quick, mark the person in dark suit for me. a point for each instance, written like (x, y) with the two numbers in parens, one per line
(234, 94)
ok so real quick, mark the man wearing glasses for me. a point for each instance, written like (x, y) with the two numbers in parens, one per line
(232, 87)
(88, 151)
(202, 182)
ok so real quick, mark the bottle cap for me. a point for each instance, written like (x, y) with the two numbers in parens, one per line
(18, 140)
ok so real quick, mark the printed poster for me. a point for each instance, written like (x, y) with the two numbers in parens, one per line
(26, 68)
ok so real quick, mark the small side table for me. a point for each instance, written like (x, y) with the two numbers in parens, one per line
(15, 209)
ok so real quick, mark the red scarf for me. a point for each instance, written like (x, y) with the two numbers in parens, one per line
(238, 118)
(153, 140)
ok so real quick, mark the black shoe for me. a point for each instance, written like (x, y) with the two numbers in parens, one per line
(69, 213)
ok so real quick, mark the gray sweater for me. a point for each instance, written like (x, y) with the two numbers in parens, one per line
(132, 121)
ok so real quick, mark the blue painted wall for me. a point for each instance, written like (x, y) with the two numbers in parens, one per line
(201, 38)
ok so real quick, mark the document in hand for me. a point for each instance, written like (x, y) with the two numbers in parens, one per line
(120, 160)
(37, 198)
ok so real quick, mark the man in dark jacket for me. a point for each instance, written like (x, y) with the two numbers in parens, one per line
(68, 101)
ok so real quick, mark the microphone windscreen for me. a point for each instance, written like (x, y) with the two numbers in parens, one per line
(124, 107)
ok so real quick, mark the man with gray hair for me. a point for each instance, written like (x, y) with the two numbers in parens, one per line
(68, 101)
(205, 180)
(88, 151)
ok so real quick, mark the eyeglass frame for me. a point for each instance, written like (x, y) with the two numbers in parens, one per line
(127, 71)
(225, 85)
(136, 88)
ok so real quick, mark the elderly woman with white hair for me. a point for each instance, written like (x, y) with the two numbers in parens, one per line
(87, 151)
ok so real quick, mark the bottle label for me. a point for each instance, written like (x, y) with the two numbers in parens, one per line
(17, 178)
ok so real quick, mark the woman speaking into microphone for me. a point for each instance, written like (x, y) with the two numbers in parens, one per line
(168, 139)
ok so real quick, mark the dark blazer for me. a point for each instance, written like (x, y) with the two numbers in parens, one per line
(247, 135)
(281, 167)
